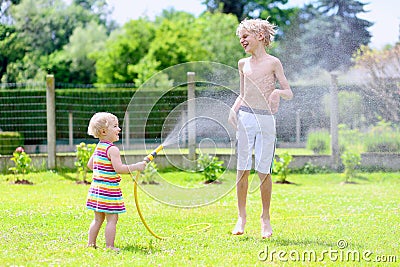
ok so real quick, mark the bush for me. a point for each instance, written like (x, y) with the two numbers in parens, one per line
(281, 166)
(319, 141)
(383, 138)
(22, 163)
(9, 141)
(211, 166)
(351, 139)
(83, 154)
(350, 161)
(149, 173)
(310, 168)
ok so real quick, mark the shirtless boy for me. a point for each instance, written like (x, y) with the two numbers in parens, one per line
(252, 116)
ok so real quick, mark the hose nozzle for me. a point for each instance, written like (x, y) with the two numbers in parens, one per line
(153, 154)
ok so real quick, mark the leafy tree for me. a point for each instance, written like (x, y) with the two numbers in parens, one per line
(219, 38)
(43, 27)
(380, 82)
(253, 9)
(79, 55)
(124, 48)
(336, 33)
(10, 49)
(177, 41)
(5, 8)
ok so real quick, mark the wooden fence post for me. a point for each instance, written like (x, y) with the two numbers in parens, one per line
(191, 115)
(334, 121)
(51, 122)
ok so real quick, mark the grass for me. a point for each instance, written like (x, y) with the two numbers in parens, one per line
(224, 151)
(46, 224)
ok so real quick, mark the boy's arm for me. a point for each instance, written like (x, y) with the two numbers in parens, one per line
(239, 100)
(119, 167)
(285, 92)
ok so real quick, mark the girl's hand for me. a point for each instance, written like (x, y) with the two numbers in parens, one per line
(140, 166)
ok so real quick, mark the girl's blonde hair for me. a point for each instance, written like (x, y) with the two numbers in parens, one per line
(258, 27)
(100, 121)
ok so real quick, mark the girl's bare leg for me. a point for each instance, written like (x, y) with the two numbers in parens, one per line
(95, 228)
(110, 231)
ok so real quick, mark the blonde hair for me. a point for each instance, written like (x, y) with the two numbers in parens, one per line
(257, 27)
(100, 121)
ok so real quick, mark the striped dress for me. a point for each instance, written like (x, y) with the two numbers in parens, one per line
(105, 194)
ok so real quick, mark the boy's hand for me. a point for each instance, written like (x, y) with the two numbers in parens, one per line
(273, 101)
(232, 119)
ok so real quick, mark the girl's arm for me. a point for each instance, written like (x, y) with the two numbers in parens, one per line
(119, 167)
(90, 163)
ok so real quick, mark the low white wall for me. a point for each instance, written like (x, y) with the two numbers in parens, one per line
(387, 161)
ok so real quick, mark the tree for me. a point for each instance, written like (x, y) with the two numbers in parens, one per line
(218, 37)
(76, 62)
(177, 41)
(42, 27)
(380, 82)
(11, 49)
(336, 33)
(5, 8)
(124, 48)
(253, 9)
(323, 36)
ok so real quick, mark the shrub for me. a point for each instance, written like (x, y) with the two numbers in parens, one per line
(281, 166)
(149, 173)
(211, 166)
(350, 161)
(9, 141)
(22, 163)
(310, 168)
(83, 154)
(350, 138)
(319, 141)
(383, 138)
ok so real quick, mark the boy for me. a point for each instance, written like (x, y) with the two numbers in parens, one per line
(252, 115)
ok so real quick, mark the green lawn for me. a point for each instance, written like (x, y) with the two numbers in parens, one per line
(46, 224)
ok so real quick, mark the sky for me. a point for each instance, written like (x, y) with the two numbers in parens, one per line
(385, 14)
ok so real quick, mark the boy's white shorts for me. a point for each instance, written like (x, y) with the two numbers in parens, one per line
(255, 131)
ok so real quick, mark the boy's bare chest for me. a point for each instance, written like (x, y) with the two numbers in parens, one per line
(262, 73)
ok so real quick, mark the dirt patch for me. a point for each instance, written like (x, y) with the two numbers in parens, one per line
(283, 182)
(23, 181)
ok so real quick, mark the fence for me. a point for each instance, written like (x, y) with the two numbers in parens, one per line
(55, 120)
(28, 111)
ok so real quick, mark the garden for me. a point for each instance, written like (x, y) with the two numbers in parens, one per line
(316, 216)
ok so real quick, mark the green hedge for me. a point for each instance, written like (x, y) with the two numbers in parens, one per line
(9, 141)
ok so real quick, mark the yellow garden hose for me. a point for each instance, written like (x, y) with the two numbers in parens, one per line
(149, 158)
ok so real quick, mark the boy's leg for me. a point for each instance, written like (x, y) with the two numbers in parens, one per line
(266, 191)
(242, 183)
(111, 228)
(95, 228)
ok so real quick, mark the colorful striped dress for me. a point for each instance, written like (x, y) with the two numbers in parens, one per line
(105, 194)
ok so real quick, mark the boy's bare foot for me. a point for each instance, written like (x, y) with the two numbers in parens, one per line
(239, 227)
(266, 229)
(114, 249)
